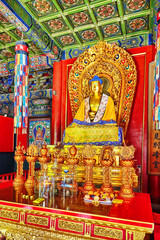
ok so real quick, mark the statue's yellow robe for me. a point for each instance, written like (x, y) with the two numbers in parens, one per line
(102, 131)
(108, 114)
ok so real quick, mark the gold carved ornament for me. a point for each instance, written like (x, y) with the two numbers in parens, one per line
(116, 68)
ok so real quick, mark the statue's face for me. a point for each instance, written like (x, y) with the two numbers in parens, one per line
(95, 86)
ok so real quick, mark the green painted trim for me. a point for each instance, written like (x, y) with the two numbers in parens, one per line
(90, 43)
(74, 10)
(49, 17)
(145, 36)
(57, 34)
(66, 21)
(115, 38)
(13, 44)
(43, 27)
(121, 13)
(4, 58)
(84, 27)
(3, 44)
(29, 10)
(97, 4)
(94, 19)
(12, 35)
(73, 46)
(10, 50)
(151, 16)
(25, 1)
(109, 21)
(137, 33)
(71, 28)
(8, 28)
(139, 14)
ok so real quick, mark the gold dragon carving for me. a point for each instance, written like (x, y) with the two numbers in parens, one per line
(108, 232)
(9, 214)
(72, 226)
(43, 221)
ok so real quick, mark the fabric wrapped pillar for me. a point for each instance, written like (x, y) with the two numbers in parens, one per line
(21, 86)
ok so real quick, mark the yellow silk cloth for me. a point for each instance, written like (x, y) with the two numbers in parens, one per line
(91, 134)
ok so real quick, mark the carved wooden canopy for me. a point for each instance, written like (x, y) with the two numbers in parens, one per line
(116, 68)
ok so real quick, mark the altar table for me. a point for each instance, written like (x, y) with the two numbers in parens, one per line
(71, 218)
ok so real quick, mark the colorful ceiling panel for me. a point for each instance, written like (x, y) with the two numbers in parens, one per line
(52, 26)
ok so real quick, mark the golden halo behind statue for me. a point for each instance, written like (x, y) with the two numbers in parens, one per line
(115, 67)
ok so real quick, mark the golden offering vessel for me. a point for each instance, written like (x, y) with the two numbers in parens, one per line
(19, 180)
(31, 157)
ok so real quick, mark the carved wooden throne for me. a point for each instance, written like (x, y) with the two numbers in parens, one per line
(118, 71)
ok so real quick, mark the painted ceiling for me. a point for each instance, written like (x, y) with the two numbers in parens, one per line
(53, 26)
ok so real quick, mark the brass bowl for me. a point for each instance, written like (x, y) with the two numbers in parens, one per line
(106, 163)
(72, 161)
(19, 158)
(60, 160)
(43, 159)
(127, 163)
(89, 162)
(31, 158)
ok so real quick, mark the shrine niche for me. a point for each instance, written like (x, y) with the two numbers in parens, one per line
(117, 70)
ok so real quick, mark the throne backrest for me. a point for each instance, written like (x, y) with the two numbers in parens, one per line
(116, 68)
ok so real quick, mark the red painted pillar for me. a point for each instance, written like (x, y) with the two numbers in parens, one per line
(22, 138)
(154, 188)
(66, 114)
(56, 103)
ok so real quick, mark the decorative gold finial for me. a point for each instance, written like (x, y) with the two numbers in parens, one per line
(32, 150)
(88, 152)
(127, 152)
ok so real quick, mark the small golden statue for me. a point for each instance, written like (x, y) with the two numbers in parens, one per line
(44, 157)
(32, 156)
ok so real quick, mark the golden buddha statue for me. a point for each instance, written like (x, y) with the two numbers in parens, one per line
(95, 120)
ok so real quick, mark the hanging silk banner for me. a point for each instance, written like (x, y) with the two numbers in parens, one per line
(21, 86)
(154, 129)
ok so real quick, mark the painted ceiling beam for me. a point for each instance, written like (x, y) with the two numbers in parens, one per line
(21, 19)
(49, 17)
(98, 4)
(84, 27)
(151, 17)
(73, 47)
(66, 21)
(74, 10)
(41, 24)
(121, 13)
(137, 33)
(138, 14)
(94, 19)
(7, 28)
(56, 34)
(109, 21)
